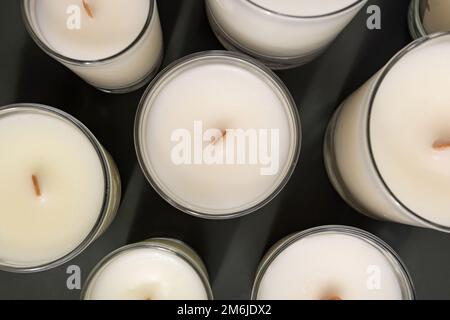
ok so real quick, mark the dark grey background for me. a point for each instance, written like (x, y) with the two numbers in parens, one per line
(231, 249)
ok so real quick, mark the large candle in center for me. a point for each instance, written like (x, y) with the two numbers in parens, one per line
(227, 93)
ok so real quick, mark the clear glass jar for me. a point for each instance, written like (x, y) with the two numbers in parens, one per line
(426, 17)
(166, 245)
(415, 16)
(281, 41)
(190, 63)
(111, 198)
(349, 156)
(130, 69)
(402, 275)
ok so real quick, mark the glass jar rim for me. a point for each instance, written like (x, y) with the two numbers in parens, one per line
(335, 12)
(153, 243)
(397, 264)
(46, 48)
(372, 96)
(415, 19)
(54, 112)
(291, 163)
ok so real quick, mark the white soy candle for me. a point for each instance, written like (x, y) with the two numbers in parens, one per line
(114, 45)
(387, 150)
(223, 174)
(436, 16)
(158, 269)
(332, 263)
(58, 189)
(282, 33)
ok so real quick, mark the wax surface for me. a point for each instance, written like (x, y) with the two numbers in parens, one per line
(305, 7)
(411, 112)
(116, 24)
(278, 36)
(326, 266)
(222, 96)
(436, 16)
(147, 274)
(34, 229)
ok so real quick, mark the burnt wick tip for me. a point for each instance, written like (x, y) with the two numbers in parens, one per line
(88, 9)
(441, 145)
(214, 140)
(37, 188)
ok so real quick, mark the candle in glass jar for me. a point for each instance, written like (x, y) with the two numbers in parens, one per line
(114, 45)
(227, 93)
(436, 15)
(332, 263)
(157, 269)
(387, 148)
(282, 33)
(52, 188)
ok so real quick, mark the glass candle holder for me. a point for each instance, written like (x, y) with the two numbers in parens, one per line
(80, 38)
(428, 16)
(234, 141)
(386, 146)
(60, 188)
(280, 34)
(332, 263)
(156, 269)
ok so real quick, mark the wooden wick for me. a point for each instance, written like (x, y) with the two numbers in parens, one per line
(441, 145)
(214, 140)
(333, 298)
(37, 188)
(88, 9)
(331, 295)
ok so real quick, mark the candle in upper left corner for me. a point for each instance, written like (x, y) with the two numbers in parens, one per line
(114, 45)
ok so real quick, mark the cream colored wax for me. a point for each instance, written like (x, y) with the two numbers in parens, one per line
(52, 188)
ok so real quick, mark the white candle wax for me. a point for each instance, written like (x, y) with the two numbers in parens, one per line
(305, 7)
(283, 29)
(222, 92)
(113, 28)
(436, 16)
(147, 272)
(52, 188)
(333, 265)
(407, 120)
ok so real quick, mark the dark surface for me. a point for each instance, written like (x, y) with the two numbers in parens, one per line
(231, 249)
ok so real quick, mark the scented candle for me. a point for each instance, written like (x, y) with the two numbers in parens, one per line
(156, 269)
(332, 263)
(217, 135)
(114, 45)
(59, 188)
(429, 16)
(282, 33)
(387, 147)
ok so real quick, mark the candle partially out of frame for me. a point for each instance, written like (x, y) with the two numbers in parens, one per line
(282, 33)
(106, 26)
(157, 269)
(388, 146)
(114, 45)
(52, 187)
(436, 15)
(332, 263)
